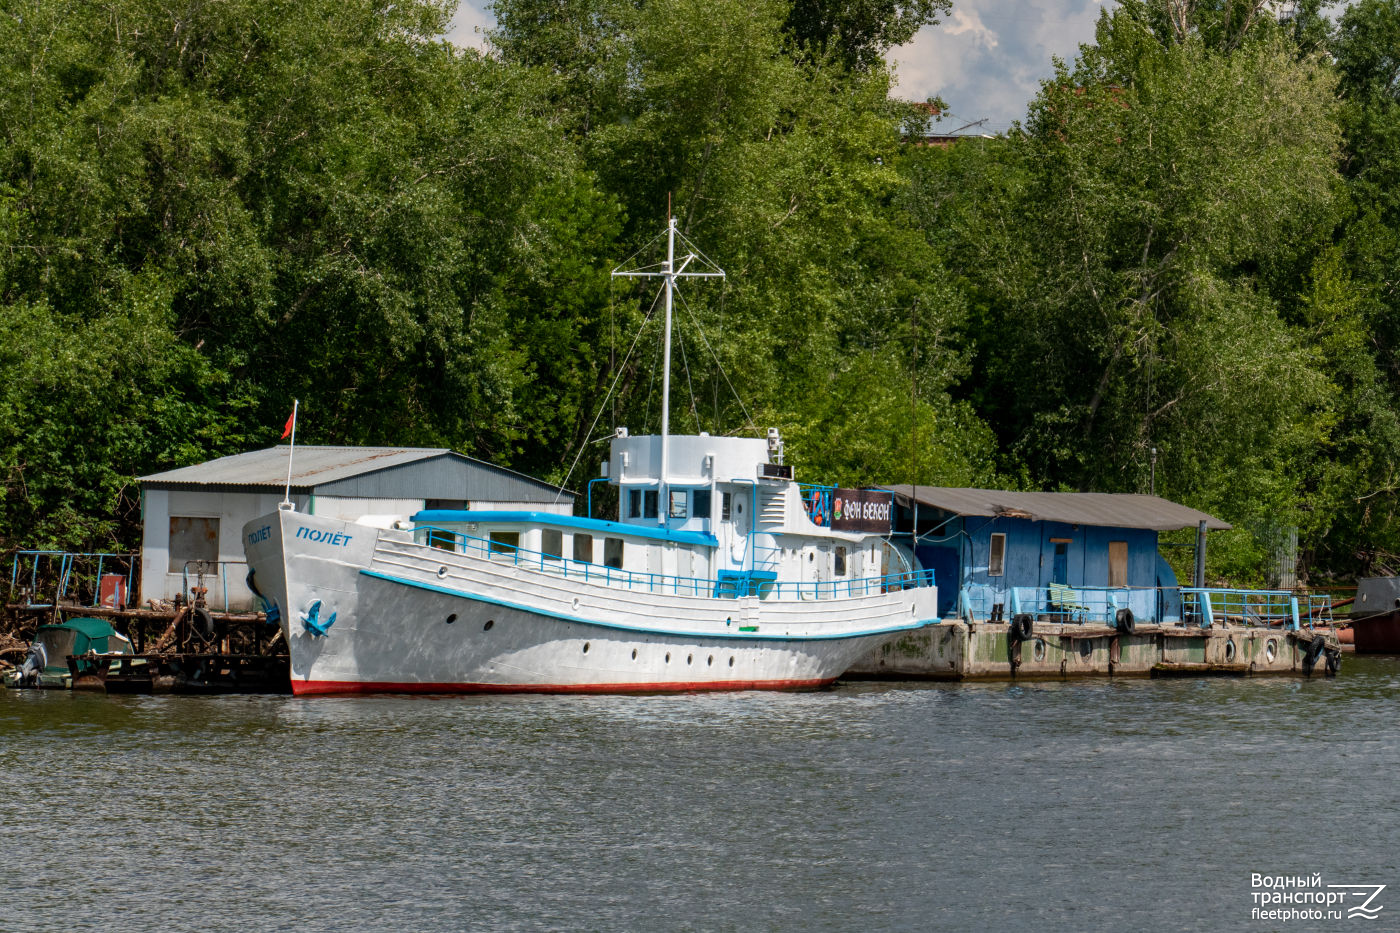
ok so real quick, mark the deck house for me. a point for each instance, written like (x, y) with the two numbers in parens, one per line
(1057, 556)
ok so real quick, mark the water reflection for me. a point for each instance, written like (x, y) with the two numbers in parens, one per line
(1059, 805)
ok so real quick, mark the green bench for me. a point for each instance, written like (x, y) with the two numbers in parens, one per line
(1064, 599)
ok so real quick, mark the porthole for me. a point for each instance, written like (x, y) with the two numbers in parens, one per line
(634, 654)
(1270, 650)
(811, 557)
(585, 647)
(487, 626)
(1040, 649)
(710, 662)
(575, 604)
(1086, 648)
(689, 658)
(452, 618)
(1229, 650)
(668, 657)
(731, 660)
(442, 572)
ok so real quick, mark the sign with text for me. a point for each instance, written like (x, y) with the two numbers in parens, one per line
(863, 510)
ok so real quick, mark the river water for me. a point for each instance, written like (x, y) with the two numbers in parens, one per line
(1122, 805)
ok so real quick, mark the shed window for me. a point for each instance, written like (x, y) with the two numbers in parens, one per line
(552, 543)
(583, 548)
(996, 559)
(1117, 563)
(612, 552)
(193, 539)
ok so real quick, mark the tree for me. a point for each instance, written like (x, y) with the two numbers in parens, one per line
(1135, 256)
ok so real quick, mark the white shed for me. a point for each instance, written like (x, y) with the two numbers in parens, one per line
(192, 518)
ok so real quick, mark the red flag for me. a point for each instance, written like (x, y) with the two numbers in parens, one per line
(291, 421)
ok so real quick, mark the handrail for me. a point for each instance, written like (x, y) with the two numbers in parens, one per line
(65, 570)
(568, 568)
(1202, 606)
(218, 571)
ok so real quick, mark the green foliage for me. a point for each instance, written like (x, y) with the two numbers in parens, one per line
(1191, 245)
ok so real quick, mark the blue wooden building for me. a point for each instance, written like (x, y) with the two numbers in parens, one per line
(1057, 556)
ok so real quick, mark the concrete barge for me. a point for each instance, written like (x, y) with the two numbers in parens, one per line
(959, 650)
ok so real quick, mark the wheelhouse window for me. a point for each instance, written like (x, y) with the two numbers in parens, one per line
(583, 548)
(1117, 563)
(678, 503)
(650, 498)
(505, 542)
(840, 560)
(701, 503)
(552, 544)
(612, 552)
(442, 540)
(634, 503)
(996, 559)
(726, 504)
(193, 539)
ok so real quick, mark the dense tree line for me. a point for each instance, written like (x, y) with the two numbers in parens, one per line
(1190, 247)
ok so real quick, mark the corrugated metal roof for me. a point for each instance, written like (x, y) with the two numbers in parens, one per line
(314, 467)
(1106, 509)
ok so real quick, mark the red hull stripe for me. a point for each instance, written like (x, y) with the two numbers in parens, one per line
(321, 687)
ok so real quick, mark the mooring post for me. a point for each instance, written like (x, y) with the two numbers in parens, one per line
(1200, 581)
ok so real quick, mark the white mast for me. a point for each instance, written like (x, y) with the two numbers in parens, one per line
(670, 272)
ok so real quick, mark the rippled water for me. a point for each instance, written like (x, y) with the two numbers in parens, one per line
(1125, 805)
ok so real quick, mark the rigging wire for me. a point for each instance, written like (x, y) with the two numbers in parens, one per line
(685, 364)
(604, 404)
(715, 356)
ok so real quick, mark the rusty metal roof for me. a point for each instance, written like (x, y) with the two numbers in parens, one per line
(317, 467)
(1107, 509)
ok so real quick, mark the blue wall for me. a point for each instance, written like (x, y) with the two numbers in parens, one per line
(1030, 559)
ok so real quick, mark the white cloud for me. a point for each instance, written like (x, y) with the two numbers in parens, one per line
(469, 26)
(989, 58)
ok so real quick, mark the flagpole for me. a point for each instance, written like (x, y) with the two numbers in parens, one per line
(286, 503)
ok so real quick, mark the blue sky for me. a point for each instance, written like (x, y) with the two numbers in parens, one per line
(987, 58)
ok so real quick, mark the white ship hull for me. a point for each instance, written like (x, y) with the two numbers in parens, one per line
(412, 618)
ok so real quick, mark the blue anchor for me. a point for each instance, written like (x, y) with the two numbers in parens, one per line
(311, 619)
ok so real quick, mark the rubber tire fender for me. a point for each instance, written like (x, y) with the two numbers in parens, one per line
(202, 623)
(1125, 622)
(1312, 652)
(1020, 627)
(1334, 661)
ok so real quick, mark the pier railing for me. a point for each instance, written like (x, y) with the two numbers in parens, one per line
(45, 579)
(1171, 605)
(604, 574)
(216, 595)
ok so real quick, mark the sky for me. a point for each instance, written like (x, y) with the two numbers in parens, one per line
(986, 59)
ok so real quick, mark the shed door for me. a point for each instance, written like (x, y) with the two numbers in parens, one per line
(1060, 571)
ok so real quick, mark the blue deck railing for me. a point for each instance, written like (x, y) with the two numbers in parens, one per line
(585, 571)
(74, 578)
(1187, 605)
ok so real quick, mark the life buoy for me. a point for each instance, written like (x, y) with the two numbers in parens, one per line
(1125, 621)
